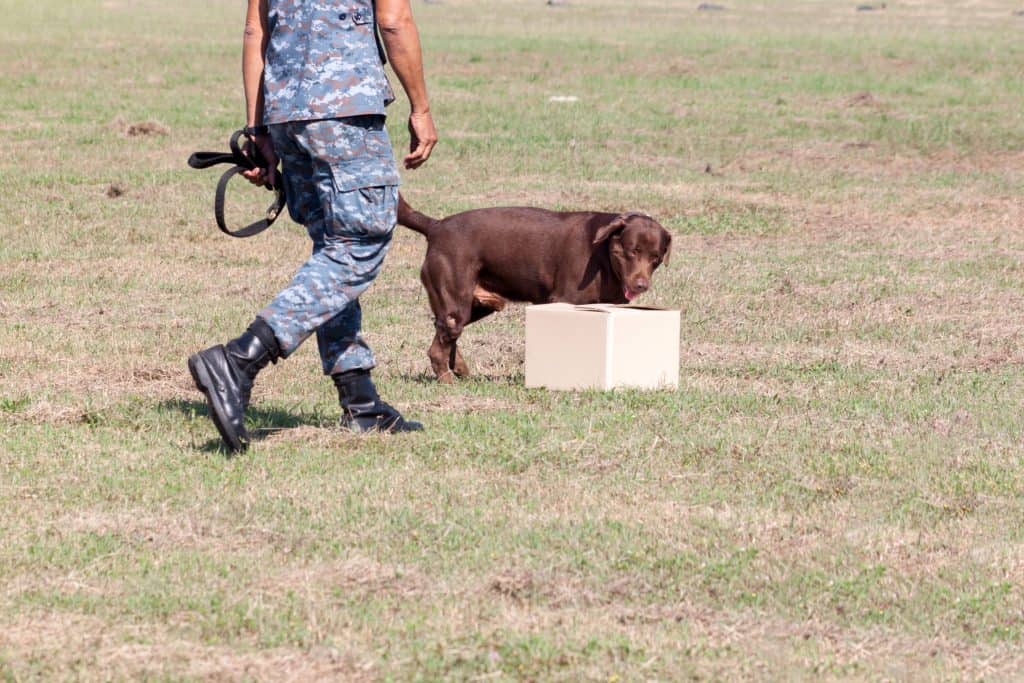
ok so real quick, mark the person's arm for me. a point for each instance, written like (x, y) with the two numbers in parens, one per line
(402, 43)
(254, 44)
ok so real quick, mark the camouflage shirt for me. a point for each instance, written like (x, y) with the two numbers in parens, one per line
(322, 61)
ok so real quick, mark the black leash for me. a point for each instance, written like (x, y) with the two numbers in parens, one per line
(240, 162)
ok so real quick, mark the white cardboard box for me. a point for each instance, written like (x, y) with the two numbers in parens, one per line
(601, 346)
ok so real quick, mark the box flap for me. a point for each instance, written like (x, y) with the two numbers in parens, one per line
(600, 308)
(608, 308)
(643, 307)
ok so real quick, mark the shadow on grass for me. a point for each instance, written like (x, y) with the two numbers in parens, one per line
(416, 378)
(270, 420)
(428, 378)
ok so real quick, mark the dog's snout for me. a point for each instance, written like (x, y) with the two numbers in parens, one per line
(641, 285)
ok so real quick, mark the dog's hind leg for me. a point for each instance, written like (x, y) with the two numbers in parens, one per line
(484, 303)
(439, 354)
(437, 277)
(443, 353)
(457, 363)
(449, 287)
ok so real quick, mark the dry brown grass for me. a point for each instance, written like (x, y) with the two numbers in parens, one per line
(833, 492)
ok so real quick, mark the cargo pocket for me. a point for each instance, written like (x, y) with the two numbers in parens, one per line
(365, 181)
(364, 214)
(379, 208)
(352, 174)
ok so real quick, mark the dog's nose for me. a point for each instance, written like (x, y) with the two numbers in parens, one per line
(641, 285)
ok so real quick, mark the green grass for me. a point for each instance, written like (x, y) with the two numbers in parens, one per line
(832, 492)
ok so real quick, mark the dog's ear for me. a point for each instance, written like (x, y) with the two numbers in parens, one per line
(668, 246)
(616, 226)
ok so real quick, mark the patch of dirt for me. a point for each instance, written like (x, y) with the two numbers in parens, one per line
(35, 632)
(865, 162)
(46, 412)
(87, 648)
(468, 404)
(514, 584)
(146, 128)
(179, 530)
(115, 190)
(557, 591)
(311, 436)
(831, 645)
(863, 98)
(65, 393)
(354, 574)
(155, 374)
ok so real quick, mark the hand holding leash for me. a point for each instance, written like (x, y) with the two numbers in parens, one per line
(255, 165)
(260, 149)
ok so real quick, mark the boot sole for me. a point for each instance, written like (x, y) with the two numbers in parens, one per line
(354, 427)
(197, 368)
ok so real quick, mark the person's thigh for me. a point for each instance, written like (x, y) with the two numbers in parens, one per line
(349, 195)
(356, 178)
(303, 183)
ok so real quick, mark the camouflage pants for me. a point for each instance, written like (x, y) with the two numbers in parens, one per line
(342, 185)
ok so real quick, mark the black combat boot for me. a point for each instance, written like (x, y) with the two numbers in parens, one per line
(225, 374)
(361, 407)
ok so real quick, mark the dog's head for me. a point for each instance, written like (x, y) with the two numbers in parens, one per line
(637, 244)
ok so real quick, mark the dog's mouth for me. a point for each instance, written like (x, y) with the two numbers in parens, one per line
(629, 293)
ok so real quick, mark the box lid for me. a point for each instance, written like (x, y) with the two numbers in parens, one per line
(605, 308)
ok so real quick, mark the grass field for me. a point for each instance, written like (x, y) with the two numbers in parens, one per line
(835, 490)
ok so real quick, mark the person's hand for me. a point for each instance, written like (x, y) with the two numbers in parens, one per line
(266, 176)
(422, 138)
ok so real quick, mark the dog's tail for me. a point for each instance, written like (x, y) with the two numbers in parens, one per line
(413, 219)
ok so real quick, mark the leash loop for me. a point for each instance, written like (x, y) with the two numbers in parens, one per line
(240, 162)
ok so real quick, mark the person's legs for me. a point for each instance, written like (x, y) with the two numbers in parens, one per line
(350, 223)
(359, 209)
(341, 184)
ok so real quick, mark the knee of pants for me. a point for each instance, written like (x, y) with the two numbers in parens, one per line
(346, 323)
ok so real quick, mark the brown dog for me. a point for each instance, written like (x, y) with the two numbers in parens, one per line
(479, 260)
